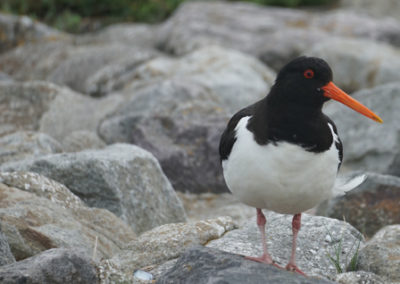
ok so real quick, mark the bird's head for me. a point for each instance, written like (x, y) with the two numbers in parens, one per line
(307, 81)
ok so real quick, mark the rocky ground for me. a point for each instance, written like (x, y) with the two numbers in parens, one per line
(109, 171)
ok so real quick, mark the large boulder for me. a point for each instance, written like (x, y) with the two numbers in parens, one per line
(359, 63)
(27, 144)
(54, 266)
(381, 254)
(6, 257)
(383, 8)
(48, 108)
(235, 78)
(124, 179)
(37, 214)
(18, 30)
(205, 265)
(180, 123)
(274, 34)
(324, 246)
(371, 206)
(94, 69)
(369, 146)
(161, 244)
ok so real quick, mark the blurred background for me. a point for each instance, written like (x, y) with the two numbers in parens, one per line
(85, 15)
(160, 79)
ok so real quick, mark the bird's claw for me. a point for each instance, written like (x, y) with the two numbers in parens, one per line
(293, 267)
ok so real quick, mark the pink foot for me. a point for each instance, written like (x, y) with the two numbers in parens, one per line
(263, 259)
(293, 267)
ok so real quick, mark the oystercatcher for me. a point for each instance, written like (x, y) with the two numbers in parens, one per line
(282, 153)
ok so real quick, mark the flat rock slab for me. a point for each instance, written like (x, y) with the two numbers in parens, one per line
(205, 265)
(122, 178)
(55, 266)
(319, 238)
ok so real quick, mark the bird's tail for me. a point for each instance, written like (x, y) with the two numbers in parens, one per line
(344, 184)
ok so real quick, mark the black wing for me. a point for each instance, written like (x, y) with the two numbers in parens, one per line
(228, 136)
(338, 143)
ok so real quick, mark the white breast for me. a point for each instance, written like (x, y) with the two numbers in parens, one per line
(284, 177)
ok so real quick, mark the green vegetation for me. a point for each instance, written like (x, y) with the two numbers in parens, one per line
(349, 265)
(70, 15)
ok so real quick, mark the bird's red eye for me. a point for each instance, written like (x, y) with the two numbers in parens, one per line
(308, 74)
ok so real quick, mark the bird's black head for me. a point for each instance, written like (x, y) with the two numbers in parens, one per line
(300, 82)
(305, 83)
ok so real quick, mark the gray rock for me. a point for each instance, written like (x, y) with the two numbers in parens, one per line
(318, 239)
(17, 30)
(51, 267)
(381, 254)
(235, 78)
(82, 140)
(38, 214)
(359, 63)
(383, 8)
(369, 207)
(180, 123)
(198, 24)
(352, 24)
(6, 257)
(359, 277)
(27, 144)
(54, 110)
(94, 69)
(205, 265)
(124, 179)
(275, 35)
(72, 111)
(23, 104)
(151, 250)
(369, 146)
(136, 34)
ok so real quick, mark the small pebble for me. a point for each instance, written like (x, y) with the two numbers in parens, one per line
(328, 238)
(142, 275)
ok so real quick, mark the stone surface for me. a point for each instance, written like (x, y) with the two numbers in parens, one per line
(371, 206)
(17, 30)
(51, 267)
(37, 214)
(70, 112)
(359, 63)
(235, 78)
(124, 179)
(48, 108)
(369, 146)
(318, 238)
(27, 144)
(381, 254)
(22, 105)
(359, 277)
(205, 265)
(274, 34)
(94, 69)
(383, 8)
(151, 249)
(6, 257)
(82, 140)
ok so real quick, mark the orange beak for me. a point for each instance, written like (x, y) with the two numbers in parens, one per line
(333, 92)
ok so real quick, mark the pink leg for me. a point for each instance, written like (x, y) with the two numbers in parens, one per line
(296, 224)
(265, 258)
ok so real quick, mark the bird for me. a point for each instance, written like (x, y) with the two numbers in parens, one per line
(283, 153)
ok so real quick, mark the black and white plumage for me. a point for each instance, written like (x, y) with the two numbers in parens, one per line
(282, 153)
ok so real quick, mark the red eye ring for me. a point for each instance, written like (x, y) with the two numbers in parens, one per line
(308, 74)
